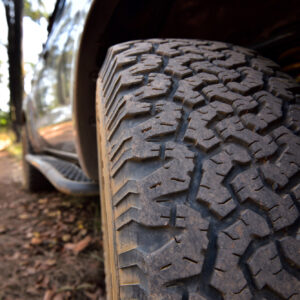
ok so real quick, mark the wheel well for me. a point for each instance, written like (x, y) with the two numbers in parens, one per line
(111, 22)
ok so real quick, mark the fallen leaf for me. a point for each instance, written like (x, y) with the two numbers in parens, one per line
(36, 241)
(48, 295)
(36, 234)
(24, 216)
(2, 229)
(40, 278)
(43, 201)
(59, 297)
(80, 226)
(30, 271)
(50, 262)
(45, 282)
(69, 246)
(26, 246)
(83, 232)
(66, 237)
(32, 290)
(15, 256)
(29, 235)
(80, 246)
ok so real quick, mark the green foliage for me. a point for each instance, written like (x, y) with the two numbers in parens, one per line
(4, 118)
(35, 14)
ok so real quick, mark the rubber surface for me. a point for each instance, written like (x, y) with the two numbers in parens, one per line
(200, 156)
(33, 179)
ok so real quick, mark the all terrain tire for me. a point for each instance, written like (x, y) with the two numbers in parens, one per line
(199, 158)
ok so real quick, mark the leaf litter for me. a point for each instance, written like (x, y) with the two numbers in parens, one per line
(50, 243)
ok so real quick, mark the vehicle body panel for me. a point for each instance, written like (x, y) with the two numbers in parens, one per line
(49, 107)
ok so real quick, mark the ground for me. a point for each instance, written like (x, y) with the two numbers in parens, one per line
(50, 244)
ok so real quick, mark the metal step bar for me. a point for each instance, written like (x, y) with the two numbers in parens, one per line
(65, 176)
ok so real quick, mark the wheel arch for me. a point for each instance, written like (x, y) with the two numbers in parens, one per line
(101, 30)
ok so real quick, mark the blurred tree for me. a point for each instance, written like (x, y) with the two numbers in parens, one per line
(14, 10)
(14, 14)
(36, 14)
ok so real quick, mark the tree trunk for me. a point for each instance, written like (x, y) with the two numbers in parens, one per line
(14, 17)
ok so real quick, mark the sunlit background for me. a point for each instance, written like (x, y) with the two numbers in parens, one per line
(34, 36)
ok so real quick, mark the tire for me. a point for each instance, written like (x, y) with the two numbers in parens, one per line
(199, 169)
(33, 180)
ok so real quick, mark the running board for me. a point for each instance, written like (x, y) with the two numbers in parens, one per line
(64, 176)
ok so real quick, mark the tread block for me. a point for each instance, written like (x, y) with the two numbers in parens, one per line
(253, 81)
(270, 111)
(267, 271)
(288, 162)
(177, 66)
(182, 256)
(233, 60)
(133, 144)
(169, 49)
(115, 62)
(249, 187)
(264, 65)
(229, 76)
(212, 190)
(186, 88)
(172, 177)
(221, 93)
(130, 77)
(293, 117)
(296, 192)
(198, 131)
(291, 250)
(207, 67)
(232, 242)
(260, 146)
(281, 87)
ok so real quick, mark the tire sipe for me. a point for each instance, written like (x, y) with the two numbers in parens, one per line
(199, 168)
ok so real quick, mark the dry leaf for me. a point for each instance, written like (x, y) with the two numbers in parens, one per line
(50, 262)
(24, 216)
(83, 232)
(2, 229)
(59, 297)
(36, 241)
(48, 295)
(43, 200)
(80, 246)
(66, 237)
(36, 234)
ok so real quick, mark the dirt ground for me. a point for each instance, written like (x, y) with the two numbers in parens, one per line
(50, 244)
